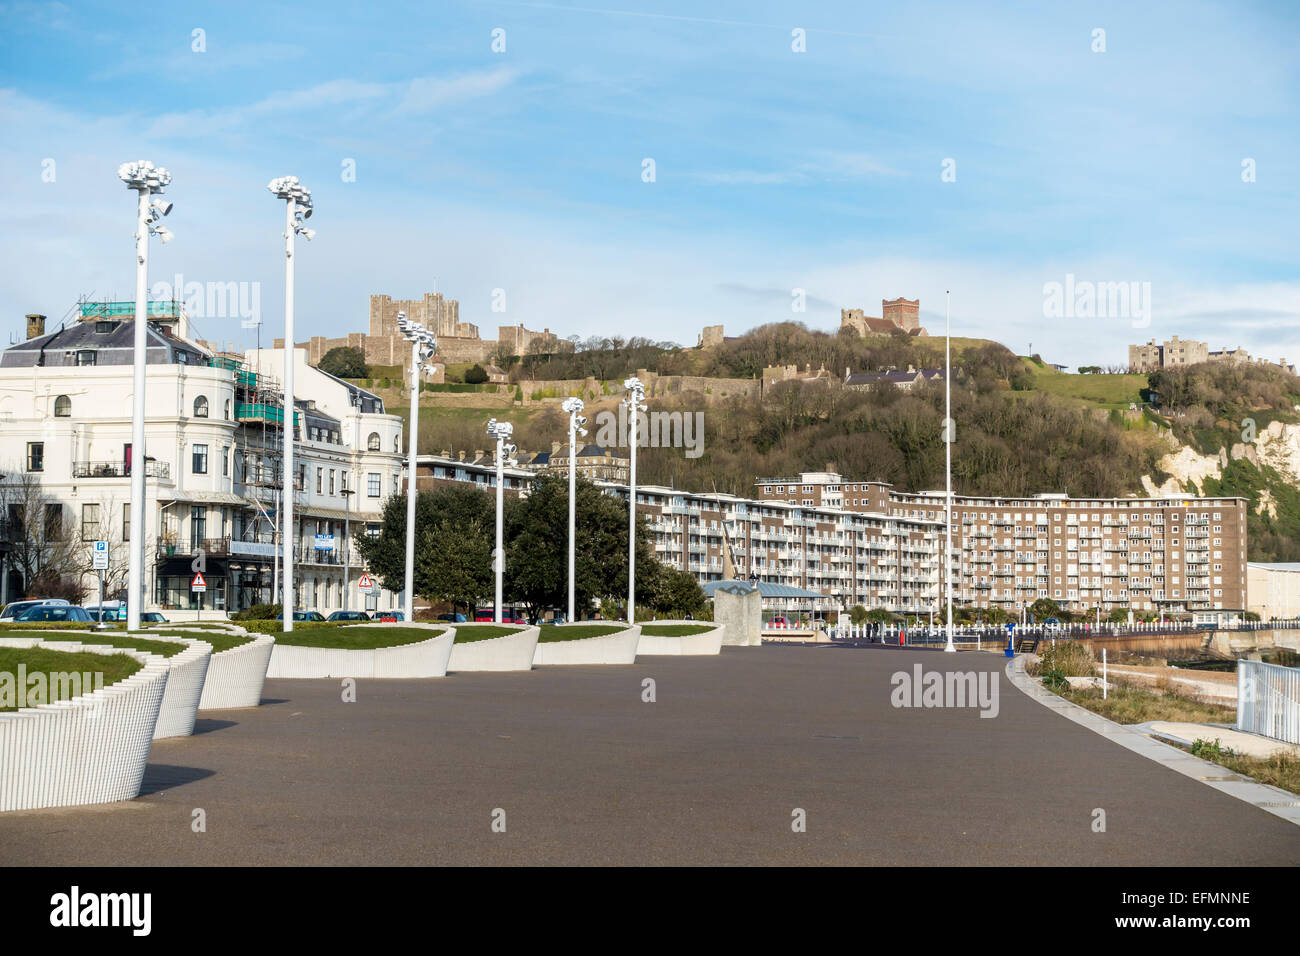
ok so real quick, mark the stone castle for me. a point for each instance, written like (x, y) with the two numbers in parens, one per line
(895, 315)
(457, 341)
(1177, 352)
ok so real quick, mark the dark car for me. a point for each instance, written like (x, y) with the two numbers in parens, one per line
(452, 618)
(308, 616)
(55, 613)
(389, 617)
(348, 616)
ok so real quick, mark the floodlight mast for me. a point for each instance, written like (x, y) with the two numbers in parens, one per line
(298, 207)
(147, 180)
(635, 396)
(501, 431)
(423, 347)
(574, 407)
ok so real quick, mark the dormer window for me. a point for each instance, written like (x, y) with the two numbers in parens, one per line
(105, 326)
(86, 357)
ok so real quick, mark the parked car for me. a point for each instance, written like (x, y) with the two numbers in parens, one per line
(308, 616)
(389, 617)
(14, 608)
(107, 613)
(485, 614)
(452, 618)
(148, 617)
(349, 616)
(1052, 624)
(56, 613)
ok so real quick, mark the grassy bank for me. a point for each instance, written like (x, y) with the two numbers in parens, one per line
(1279, 770)
(1125, 704)
(114, 639)
(466, 633)
(576, 632)
(38, 660)
(357, 638)
(675, 630)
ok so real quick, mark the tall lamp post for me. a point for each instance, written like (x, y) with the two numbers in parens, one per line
(949, 437)
(633, 403)
(297, 209)
(347, 539)
(147, 180)
(574, 408)
(423, 348)
(501, 431)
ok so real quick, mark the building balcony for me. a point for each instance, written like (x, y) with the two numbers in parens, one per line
(118, 469)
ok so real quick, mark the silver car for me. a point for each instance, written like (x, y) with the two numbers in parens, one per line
(14, 608)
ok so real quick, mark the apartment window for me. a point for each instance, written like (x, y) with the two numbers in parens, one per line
(199, 459)
(225, 462)
(54, 522)
(320, 481)
(226, 409)
(331, 481)
(36, 456)
(90, 522)
(126, 521)
(201, 407)
(86, 357)
(62, 407)
(372, 443)
(372, 484)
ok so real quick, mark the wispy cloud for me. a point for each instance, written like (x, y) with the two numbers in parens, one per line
(824, 167)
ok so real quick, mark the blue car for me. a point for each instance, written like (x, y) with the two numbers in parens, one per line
(56, 613)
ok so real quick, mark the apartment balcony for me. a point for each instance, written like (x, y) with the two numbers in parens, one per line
(118, 469)
(184, 546)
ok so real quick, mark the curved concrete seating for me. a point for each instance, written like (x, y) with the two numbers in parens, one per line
(236, 676)
(421, 659)
(617, 648)
(90, 749)
(706, 642)
(510, 652)
(188, 670)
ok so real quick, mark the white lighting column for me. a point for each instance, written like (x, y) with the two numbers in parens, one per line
(574, 408)
(501, 431)
(949, 436)
(147, 180)
(423, 348)
(633, 402)
(297, 209)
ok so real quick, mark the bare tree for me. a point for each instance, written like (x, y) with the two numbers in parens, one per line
(43, 547)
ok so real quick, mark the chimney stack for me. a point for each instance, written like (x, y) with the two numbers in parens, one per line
(35, 325)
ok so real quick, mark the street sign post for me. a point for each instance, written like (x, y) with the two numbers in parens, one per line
(99, 564)
(367, 584)
(199, 585)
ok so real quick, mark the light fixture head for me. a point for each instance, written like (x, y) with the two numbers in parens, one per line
(161, 206)
(308, 234)
(163, 233)
(572, 405)
(288, 188)
(144, 175)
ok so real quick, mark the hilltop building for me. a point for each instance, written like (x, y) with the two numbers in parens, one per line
(896, 315)
(457, 341)
(1178, 352)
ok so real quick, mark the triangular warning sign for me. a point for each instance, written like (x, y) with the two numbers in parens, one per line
(198, 581)
(366, 581)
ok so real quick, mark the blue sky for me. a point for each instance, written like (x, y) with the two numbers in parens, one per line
(774, 169)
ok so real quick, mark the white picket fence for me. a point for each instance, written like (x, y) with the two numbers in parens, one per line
(1268, 700)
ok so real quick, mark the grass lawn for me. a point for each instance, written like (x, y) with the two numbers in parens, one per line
(36, 660)
(675, 630)
(576, 632)
(1114, 391)
(1134, 705)
(117, 639)
(358, 638)
(219, 641)
(483, 632)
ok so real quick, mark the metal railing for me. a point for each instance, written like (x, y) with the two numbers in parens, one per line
(118, 469)
(1268, 700)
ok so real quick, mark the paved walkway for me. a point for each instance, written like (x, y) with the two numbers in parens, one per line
(586, 772)
(1252, 745)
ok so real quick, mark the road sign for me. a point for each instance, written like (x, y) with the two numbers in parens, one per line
(100, 556)
(199, 583)
(367, 584)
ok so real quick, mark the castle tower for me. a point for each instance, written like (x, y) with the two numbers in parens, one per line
(903, 313)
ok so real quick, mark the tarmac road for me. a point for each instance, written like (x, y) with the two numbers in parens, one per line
(709, 773)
